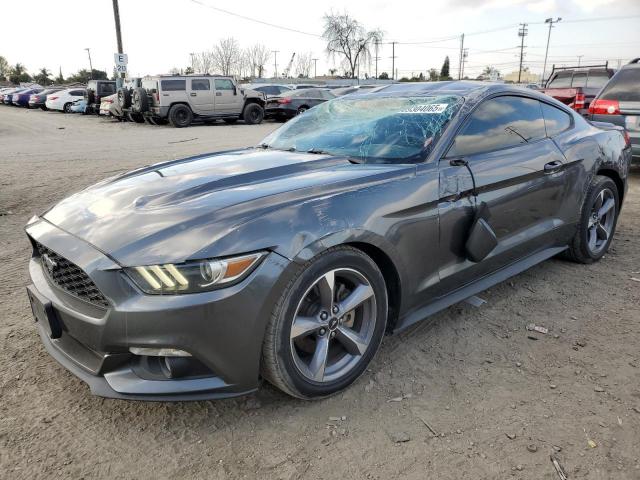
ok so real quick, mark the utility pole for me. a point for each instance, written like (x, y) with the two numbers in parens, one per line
(522, 32)
(465, 54)
(393, 60)
(90, 65)
(116, 17)
(275, 62)
(461, 61)
(550, 21)
(377, 57)
(579, 59)
(315, 67)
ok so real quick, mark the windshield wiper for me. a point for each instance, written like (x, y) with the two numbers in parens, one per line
(264, 146)
(317, 151)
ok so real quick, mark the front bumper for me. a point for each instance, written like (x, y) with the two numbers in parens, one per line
(222, 330)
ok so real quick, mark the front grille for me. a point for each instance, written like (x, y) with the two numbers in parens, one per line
(69, 277)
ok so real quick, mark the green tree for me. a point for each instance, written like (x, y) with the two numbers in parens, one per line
(444, 71)
(433, 75)
(490, 70)
(19, 74)
(383, 76)
(83, 76)
(43, 77)
(188, 71)
(4, 68)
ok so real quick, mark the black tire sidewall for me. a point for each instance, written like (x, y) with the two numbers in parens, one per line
(253, 107)
(173, 114)
(339, 258)
(599, 184)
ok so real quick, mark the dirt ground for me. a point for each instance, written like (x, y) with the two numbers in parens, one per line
(499, 401)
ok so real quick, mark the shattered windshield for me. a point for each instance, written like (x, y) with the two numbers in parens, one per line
(372, 129)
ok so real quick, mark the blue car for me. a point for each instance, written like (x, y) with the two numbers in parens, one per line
(79, 106)
(8, 97)
(21, 99)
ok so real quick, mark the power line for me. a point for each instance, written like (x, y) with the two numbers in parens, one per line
(255, 20)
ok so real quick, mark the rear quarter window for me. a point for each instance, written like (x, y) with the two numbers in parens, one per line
(173, 85)
(624, 86)
(556, 121)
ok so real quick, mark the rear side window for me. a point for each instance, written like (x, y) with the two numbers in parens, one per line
(579, 79)
(107, 88)
(223, 84)
(200, 84)
(173, 85)
(624, 86)
(555, 120)
(597, 79)
(499, 123)
(76, 93)
(562, 80)
(150, 85)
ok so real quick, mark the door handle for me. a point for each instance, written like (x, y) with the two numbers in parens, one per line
(553, 167)
(218, 94)
(193, 94)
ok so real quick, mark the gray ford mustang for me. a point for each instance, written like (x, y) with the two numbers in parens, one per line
(191, 279)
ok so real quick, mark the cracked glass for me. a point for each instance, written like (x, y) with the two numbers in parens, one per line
(375, 129)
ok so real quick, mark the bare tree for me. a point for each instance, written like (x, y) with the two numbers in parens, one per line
(348, 38)
(258, 56)
(203, 62)
(226, 55)
(304, 64)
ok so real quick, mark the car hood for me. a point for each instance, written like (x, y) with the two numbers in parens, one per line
(171, 211)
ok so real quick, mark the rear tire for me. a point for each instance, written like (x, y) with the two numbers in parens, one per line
(253, 114)
(180, 116)
(66, 108)
(311, 350)
(597, 223)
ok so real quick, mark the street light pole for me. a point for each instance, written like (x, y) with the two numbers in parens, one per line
(275, 63)
(90, 65)
(315, 67)
(550, 21)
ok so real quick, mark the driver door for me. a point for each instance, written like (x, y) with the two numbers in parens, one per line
(520, 177)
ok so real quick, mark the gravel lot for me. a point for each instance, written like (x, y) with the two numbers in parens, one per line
(499, 401)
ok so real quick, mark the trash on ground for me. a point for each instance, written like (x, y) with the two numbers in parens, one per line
(532, 327)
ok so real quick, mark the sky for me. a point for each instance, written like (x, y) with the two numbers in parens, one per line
(160, 34)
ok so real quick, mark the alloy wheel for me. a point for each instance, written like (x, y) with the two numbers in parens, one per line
(333, 325)
(601, 220)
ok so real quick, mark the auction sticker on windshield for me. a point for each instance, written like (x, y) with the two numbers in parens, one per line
(428, 108)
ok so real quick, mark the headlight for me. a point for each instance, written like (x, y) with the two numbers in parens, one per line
(193, 277)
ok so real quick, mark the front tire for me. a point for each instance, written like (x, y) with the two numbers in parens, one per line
(327, 325)
(597, 222)
(66, 108)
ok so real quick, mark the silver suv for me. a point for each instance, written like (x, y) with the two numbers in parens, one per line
(180, 99)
